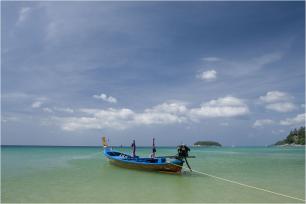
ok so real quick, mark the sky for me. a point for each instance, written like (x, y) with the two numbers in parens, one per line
(231, 72)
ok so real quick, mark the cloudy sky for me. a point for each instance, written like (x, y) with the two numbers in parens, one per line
(231, 72)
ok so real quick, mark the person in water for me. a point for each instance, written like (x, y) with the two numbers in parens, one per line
(133, 148)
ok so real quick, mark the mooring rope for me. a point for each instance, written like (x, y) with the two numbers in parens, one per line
(242, 184)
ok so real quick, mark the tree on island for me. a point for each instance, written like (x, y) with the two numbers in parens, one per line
(207, 143)
(296, 136)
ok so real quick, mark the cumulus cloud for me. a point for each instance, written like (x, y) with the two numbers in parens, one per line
(98, 119)
(278, 101)
(106, 98)
(58, 109)
(37, 104)
(165, 113)
(162, 114)
(158, 118)
(169, 107)
(297, 120)
(281, 107)
(67, 110)
(223, 107)
(116, 119)
(263, 122)
(209, 75)
(274, 96)
(23, 15)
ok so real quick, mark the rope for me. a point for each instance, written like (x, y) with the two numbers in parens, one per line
(242, 184)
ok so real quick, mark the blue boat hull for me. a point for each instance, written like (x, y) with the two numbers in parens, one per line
(156, 164)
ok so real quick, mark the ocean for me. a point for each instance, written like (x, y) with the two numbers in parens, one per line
(82, 174)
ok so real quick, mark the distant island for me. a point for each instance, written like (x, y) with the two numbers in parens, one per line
(295, 137)
(207, 144)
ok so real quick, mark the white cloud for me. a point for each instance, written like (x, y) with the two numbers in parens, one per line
(58, 109)
(37, 104)
(223, 107)
(110, 113)
(169, 107)
(165, 113)
(116, 119)
(275, 96)
(162, 114)
(281, 107)
(79, 123)
(297, 120)
(209, 75)
(211, 59)
(67, 110)
(123, 118)
(158, 118)
(23, 15)
(98, 119)
(278, 101)
(106, 98)
(263, 122)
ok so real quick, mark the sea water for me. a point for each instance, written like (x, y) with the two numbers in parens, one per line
(82, 174)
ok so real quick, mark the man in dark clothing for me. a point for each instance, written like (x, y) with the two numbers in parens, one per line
(133, 148)
(183, 150)
(183, 153)
(153, 149)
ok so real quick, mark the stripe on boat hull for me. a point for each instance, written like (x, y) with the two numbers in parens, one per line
(168, 167)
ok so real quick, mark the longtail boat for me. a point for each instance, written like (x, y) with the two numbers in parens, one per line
(169, 164)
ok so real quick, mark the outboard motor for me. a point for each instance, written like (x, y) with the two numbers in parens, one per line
(182, 153)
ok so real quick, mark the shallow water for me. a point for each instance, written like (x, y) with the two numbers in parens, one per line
(82, 174)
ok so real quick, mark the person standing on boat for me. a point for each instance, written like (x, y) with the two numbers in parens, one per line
(133, 148)
(153, 149)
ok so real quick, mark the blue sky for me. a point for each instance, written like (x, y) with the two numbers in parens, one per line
(232, 72)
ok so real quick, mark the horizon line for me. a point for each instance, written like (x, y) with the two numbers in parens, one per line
(19, 145)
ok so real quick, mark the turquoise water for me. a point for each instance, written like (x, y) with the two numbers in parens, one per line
(82, 174)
